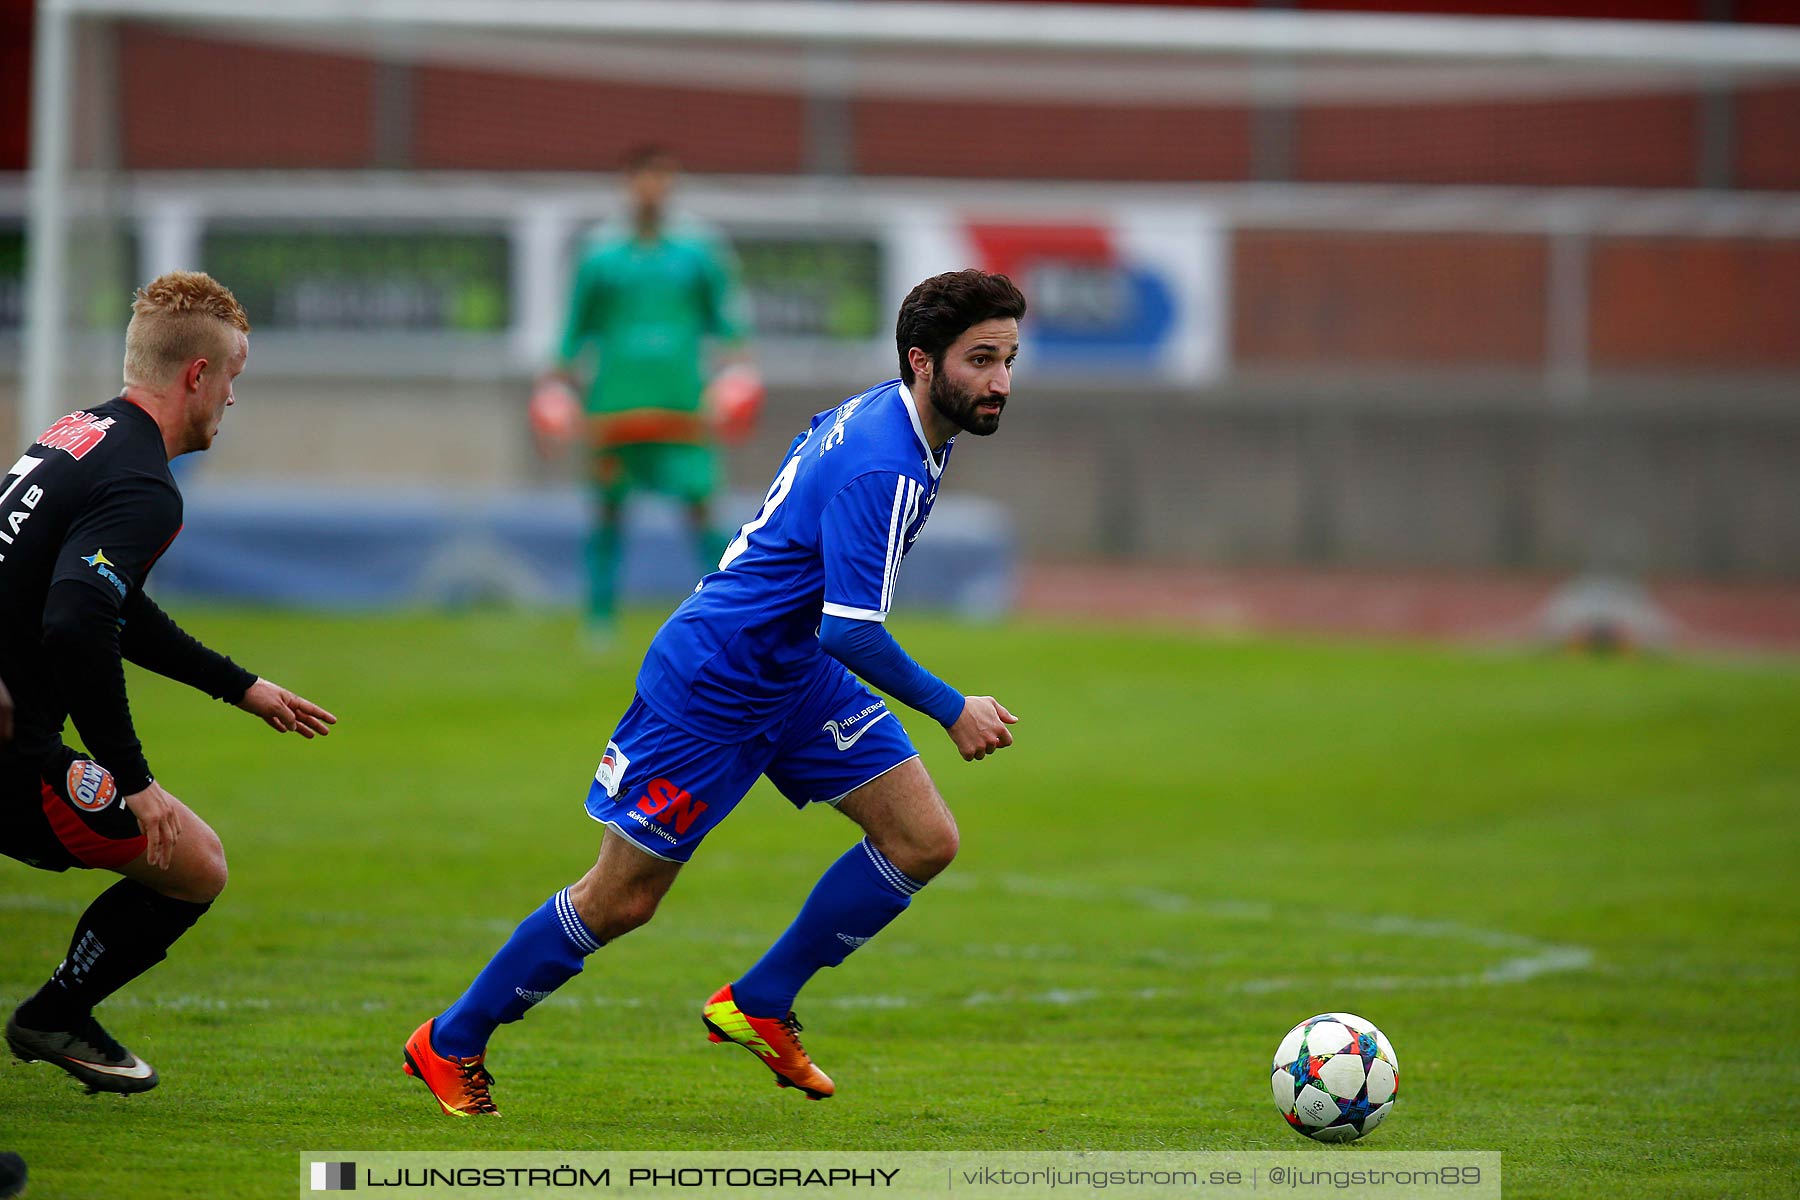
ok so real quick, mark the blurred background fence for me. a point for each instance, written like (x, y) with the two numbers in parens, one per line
(1309, 288)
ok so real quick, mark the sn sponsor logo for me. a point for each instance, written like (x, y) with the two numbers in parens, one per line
(670, 805)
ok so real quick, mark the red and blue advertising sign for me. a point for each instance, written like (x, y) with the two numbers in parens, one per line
(1138, 294)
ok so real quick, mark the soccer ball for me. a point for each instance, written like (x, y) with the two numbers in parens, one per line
(1335, 1077)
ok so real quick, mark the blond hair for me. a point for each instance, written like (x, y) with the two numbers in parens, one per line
(177, 318)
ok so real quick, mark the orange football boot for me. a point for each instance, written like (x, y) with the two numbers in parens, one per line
(774, 1040)
(460, 1085)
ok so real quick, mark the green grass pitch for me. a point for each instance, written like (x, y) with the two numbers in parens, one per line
(1565, 888)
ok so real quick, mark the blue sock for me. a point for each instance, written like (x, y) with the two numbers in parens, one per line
(543, 953)
(852, 902)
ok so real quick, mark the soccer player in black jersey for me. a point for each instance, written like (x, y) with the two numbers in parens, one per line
(84, 514)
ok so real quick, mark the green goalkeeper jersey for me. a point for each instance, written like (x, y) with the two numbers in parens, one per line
(648, 306)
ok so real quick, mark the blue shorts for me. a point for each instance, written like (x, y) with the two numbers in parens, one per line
(666, 789)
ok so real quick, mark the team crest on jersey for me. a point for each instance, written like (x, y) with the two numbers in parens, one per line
(91, 786)
(76, 433)
(612, 769)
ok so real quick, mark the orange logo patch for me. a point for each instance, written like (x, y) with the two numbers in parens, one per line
(91, 786)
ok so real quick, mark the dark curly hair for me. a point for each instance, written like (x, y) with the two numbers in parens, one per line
(937, 311)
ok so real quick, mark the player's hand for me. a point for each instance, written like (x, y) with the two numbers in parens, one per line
(734, 400)
(554, 411)
(285, 712)
(160, 818)
(982, 728)
(6, 711)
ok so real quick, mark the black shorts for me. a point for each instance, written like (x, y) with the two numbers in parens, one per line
(65, 811)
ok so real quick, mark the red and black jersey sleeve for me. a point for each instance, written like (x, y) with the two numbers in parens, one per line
(128, 522)
(105, 555)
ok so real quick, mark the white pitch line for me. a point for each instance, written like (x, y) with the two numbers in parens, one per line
(10, 902)
(1531, 958)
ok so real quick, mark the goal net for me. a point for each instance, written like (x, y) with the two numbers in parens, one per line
(1305, 287)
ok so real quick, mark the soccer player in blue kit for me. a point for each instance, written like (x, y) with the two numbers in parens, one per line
(752, 675)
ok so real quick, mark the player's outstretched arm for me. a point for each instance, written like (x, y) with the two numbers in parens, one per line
(286, 712)
(982, 728)
(149, 637)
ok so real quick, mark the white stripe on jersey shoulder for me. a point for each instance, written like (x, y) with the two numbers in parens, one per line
(896, 542)
(852, 614)
(897, 549)
(932, 463)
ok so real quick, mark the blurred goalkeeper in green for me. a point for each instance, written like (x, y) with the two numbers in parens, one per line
(652, 301)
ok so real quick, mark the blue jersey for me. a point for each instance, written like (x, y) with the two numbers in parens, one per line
(850, 499)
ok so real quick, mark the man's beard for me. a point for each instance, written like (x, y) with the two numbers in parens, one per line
(962, 408)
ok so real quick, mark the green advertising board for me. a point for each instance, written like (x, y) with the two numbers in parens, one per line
(99, 277)
(349, 279)
(825, 286)
(367, 280)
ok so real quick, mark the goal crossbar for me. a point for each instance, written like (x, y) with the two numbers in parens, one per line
(1071, 28)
